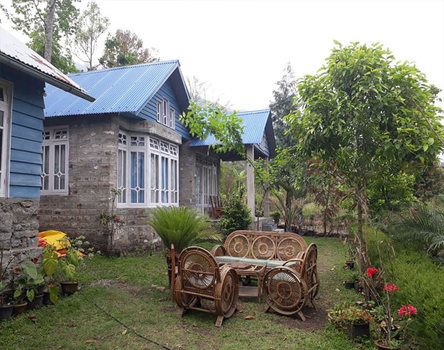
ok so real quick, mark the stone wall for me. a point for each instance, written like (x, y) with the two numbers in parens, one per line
(19, 229)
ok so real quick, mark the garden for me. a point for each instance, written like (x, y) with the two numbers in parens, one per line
(356, 176)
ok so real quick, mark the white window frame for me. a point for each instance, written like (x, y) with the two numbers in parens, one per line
(161, 151)
(51, 139)
(5, 149)
(206, 185)
(166, 114)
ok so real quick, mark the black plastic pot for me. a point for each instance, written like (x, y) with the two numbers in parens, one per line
(19, 308)
(349, 284)
(5, 312)
(46, 299)
(69, 288)
(37, 303)
(359, 330)
(350, 264)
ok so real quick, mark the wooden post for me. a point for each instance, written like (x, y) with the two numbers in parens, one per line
(251, 192)
(173, 270)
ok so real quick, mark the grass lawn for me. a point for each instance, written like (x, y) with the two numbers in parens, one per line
(124, 288)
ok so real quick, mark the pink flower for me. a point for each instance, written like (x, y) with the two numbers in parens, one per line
(371, 271)
(117, 219)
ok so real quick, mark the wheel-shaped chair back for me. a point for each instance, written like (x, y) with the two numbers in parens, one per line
(201, 285)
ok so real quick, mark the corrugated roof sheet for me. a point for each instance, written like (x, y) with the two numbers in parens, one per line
(121, 89)
(15, 49)
(254, 123)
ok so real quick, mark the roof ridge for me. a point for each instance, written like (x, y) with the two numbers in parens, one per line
(124, 67)
(256, 111)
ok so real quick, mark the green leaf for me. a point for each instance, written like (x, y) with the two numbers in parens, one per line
(30, 294)
(54, 294)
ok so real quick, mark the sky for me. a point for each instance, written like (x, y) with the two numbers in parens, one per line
(240, 48)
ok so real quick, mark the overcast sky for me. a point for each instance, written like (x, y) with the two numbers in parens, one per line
(240, 47)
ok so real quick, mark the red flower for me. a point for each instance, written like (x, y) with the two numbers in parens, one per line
(35, 260)
(371, 271)
(407, 310)
(15, 271)
(390, 287)
(117, 219)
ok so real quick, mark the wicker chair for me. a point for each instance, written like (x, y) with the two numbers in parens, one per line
(202, 285)
(288, 288)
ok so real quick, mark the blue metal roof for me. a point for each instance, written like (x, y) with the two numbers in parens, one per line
(117, 90)
(254, 123)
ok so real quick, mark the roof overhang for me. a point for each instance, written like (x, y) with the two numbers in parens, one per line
(14, 63)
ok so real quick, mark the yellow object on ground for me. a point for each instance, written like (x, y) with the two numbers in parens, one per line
(57, 239)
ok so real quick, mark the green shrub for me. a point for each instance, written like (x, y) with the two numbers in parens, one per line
(420, 282)
(236, 215)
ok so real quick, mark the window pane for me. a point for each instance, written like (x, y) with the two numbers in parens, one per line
(154, 178)
(56, 166)
(164, 170)
(121, 175)
(2, 94)
(1, 118)
(137, 177)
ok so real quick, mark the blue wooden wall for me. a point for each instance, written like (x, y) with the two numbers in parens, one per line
(149, 111)
(26, 133)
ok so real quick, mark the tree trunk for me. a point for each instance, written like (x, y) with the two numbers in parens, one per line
(49, 30)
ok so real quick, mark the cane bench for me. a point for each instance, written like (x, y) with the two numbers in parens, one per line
(290, 266)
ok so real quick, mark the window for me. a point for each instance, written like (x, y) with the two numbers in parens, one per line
(206, 185)
(165, 114)
(5, 112)
(147, 171)
(55, 161)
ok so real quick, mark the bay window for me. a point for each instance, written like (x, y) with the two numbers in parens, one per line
(54, 176)
(147, 171)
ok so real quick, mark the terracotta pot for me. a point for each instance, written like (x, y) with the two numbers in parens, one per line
(69, 288)
(380, 346)
(359, 330)
(19, 308)
(5, 312)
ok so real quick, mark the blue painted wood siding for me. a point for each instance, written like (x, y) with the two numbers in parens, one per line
(26, 134)
(149, 111)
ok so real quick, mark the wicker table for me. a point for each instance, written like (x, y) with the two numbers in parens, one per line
(249, 270)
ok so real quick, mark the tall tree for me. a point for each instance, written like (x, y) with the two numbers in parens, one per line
(283, 104)
(91, 26)
(46, 22)
(125, 48)
(367, 113)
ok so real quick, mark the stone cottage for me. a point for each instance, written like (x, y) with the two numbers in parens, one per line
(122, 154)
(23, 74)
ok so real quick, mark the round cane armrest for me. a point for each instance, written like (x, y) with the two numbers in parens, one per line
(294, 264)
(218, 250)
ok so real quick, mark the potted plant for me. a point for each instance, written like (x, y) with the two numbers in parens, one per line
(33, 283)
(50, 262)
(394, 321)
(354, 319)
(179, 226)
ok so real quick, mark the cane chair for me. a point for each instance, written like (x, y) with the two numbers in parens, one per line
(202, 285)
(287, 288)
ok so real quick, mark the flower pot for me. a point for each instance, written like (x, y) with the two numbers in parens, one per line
(5, 312)
(349, 284)
(19, 308)
(37, 303)
(379, 344)
(46, 299)
(359, 330)
(350, 264)
(69, 288)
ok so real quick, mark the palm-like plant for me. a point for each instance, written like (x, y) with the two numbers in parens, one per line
(424, 226)
(180, 226)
